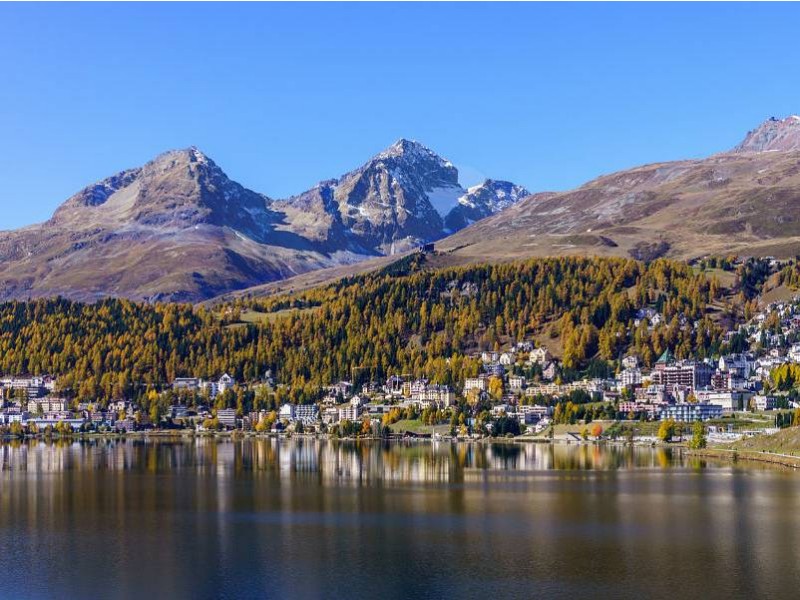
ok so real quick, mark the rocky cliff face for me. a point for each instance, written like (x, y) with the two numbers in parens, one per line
(773, 135)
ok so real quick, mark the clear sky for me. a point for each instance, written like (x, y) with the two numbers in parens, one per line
(282, 96)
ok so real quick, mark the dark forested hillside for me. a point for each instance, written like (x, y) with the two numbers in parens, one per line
(401, 320)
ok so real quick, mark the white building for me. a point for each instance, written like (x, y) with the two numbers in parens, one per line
(330, 415)
(516, 382)
(13, 416)
(549, 371)
(688, 412)
(440, 396)
(196, 384)
(286, 412)
(538, 412)
(476, 383)
(306, 413)
(343, 388)
(539, 356)
(394, 385)
(794, 353)
(630, 362)
(227, 417)
(187, 383)
(523, 346)
(737, 364)
(765, 402)
(630, 377)
(47, 405)
(507, 358)
(349, 411)
(729, 400)
(490, 356)
(226, 382)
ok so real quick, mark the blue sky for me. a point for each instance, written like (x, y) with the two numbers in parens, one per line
(282, 96)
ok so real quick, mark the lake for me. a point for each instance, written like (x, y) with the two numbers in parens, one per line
(308, 518)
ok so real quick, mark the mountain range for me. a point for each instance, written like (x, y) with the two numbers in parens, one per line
(179, 229)
(745, 201)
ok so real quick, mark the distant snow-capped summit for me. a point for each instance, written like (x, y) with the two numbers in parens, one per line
(483, 200)
(400, 198)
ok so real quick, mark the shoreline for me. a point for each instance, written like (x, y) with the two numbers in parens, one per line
(728, 455)
(732, 455)
(723, 454)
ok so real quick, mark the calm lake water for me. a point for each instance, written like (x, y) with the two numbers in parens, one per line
(324, 519)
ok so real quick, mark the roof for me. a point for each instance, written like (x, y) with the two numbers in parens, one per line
(667, 357)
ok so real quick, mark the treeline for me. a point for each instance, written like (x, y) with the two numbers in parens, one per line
(785, 377)
(407, 321)
(751, 276)
(789, 275)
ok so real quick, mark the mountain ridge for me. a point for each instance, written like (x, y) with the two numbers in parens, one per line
(745, 200)
(178, 228)
(190, 233)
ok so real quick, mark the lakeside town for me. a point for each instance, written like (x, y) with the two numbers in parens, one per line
(520, 391)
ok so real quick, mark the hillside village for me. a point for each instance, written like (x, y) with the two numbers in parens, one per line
(520, 391)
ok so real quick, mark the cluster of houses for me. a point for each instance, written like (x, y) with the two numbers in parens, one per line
(682, 390)
(521, 382)
(33, 401)
(688, 390)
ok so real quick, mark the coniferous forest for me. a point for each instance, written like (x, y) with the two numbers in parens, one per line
(402, 320)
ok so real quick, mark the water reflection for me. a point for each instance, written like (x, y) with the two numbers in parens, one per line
(316, 518)
(358, 462)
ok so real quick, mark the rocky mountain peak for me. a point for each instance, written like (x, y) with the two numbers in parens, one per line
(495, 193)
(409, 148)
(177, 189)
(411, 159)
(773, 135)
(483, 200)
(188, 162)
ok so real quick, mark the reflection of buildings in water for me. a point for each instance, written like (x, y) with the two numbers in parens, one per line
(359, 463)
(330, 461)
(301, 456)
(518, 457)
(36, 457)
(117, 461)
(224, 459)
(636, 520)
(262, 453)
